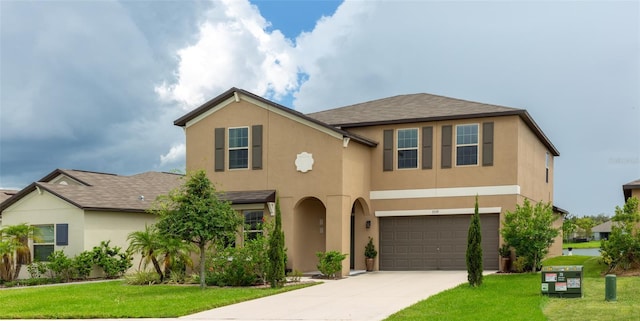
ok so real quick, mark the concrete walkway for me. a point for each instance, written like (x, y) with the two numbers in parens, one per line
(370, 296)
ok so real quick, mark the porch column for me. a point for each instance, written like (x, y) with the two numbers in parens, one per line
(287, 211)
(338, 227)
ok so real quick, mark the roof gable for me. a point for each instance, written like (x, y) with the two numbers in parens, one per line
(235, 95)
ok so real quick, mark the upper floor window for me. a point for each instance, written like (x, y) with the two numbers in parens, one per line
(467, 145)
(547, 167)
(239, 147)
(408, 148)
(253, 224)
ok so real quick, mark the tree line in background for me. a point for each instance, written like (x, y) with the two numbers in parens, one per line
(574, 227)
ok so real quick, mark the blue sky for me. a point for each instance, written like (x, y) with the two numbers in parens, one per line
(96, 85)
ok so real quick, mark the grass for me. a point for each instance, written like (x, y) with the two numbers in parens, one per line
(582, 245)
(517, 297)
(118, 300)
(501, 297)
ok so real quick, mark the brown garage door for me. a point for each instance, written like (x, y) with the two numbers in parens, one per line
(434, 242)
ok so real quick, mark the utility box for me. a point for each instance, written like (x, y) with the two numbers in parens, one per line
(562, 281)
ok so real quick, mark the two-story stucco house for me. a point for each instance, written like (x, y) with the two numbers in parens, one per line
(631, 189)
(404, 170)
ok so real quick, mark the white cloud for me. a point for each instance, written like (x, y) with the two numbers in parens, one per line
(520, 54)
(233, 49)
(176, 154)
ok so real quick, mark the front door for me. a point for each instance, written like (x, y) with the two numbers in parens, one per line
(353, 236)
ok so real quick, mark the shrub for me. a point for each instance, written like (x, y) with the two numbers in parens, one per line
(231, 267)
(257, 252)
(142, 278)
(370, 250)
(330, 263)
(520, 264)
(113, 261)
(37, 269)
(529, 230)
(82, 264)
(294, 276)
(60, 266)
(622, 250)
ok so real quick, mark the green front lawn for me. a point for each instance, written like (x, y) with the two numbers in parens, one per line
(583, 245)
(501, 297)
(517, 297)
(118, 300)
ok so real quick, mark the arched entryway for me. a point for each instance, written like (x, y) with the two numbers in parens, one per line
(361, 228)
(310, 221)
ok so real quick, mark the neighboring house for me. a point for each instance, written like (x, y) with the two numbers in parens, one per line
(5, 194)
(404, 170)
(631, 189)
(76, 210)
(602, 231)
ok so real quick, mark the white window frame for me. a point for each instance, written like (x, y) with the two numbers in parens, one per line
(37, 242)
(546, 174)
(229, 148)
(416, 148)
(477, 144)
(247, 231)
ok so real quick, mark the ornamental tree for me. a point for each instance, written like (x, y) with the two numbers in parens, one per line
(529, 229)
(275, 274)
(194, 213)
(568, 227)
(474, 250)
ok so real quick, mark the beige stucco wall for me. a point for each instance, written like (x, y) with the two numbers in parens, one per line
(531, 166)
(114, 227)
(40, 208)
(344, 176)
(503, 172)
(86, 229)
(45, 208)
(339, 176)
(518, 159)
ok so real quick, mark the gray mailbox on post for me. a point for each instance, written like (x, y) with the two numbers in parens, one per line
(562, 281)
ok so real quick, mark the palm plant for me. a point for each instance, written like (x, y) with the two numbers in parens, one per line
(17, 248)
(6, 259)
(177, 254)
(147, 243)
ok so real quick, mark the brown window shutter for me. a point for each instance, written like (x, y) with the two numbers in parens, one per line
(447, 136)
(427, 147)
(219, 150)
(387, 153)
(256, 147)
(487, 144)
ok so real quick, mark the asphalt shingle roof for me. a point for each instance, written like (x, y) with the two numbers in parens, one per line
(6, 193)
(407, 108)
(111, 192)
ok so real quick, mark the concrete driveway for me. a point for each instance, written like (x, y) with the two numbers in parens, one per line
(370, 296)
